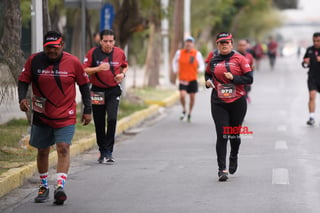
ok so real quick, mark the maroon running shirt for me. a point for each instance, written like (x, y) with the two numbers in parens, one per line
(57, 85)
(238, 65)
(117, 60)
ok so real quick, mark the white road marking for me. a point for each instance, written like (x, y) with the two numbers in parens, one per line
(282, 128)
(280, 176)
(281, 145)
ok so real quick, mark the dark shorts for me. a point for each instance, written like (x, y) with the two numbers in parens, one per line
(313, 84)
(44, 136)
(192, 87)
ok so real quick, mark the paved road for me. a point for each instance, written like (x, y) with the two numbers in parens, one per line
(170, 166)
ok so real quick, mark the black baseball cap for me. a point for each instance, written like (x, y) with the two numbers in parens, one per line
(316, 34)
(53, 39)
(224, 36)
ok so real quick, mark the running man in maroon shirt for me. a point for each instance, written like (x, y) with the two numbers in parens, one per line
(53, 74)
(107, 66)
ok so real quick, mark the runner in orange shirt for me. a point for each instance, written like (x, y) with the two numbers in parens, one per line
(187, 62)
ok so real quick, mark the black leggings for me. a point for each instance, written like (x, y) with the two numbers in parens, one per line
(105, 140)
(227, 115)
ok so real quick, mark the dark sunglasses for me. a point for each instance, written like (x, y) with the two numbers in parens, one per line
(224, 42)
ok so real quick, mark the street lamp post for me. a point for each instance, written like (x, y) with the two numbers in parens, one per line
(36, 26)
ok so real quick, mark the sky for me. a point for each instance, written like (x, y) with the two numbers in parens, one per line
(308, 11)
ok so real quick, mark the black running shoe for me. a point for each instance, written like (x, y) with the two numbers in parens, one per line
(59, 196)
(189, 118)
(310, 122)
(233, 164)
(182, 115)
(223, 176)
(101, 159)
(43, 195)
(110, 159)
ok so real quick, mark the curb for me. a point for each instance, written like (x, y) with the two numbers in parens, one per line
(15, 177)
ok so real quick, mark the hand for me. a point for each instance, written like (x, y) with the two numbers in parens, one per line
(318, 58)
(24, 105)
(209, 83)
(307, 60)
(104, 66)
(86, 118)
(118, 78)
(228, 75)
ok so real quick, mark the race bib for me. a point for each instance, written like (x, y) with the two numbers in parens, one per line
(39, 104)
(97, 98)
(226, 90)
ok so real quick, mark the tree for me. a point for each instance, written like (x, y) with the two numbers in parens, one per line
(254, 19)
(244, 18)
(46, 16)
(10, 51)
(176, 33)
(286, 4)
(127, 20)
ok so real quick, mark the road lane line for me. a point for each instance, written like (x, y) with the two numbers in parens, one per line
(282, 128)
(281, 145)
(280, 176)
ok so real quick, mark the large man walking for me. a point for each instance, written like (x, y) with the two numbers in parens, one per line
(53, 74)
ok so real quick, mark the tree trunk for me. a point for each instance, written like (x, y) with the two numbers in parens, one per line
(177, 37)
(46, 17)
(76, 38)
(127, 20)
(152, 67)
(55, 17)
(10, 51)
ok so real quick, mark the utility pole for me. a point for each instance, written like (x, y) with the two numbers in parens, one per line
(83, 29)
(165, 39)
(187, 18)
(36, 26)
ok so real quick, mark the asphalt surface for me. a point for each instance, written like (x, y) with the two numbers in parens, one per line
(167, 165)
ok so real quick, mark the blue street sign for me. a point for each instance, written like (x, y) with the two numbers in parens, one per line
(106, 17)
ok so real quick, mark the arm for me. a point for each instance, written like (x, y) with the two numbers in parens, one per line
(88, 64)
(86, 100)
(208, 77)
(200, 62)
(22, 93)
(247, 78)
(93, 70)
(119, 77)
(175, 65)
(306, 60)
(123, 70)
